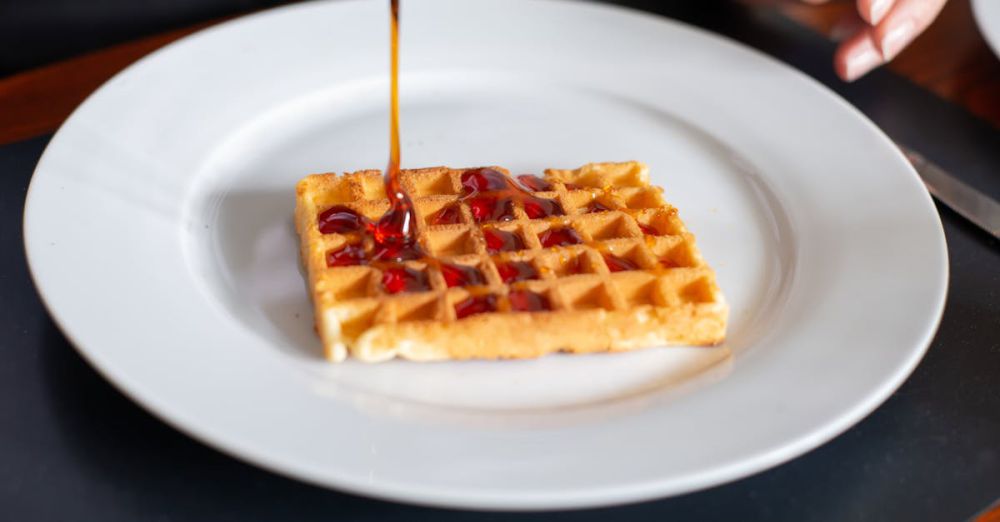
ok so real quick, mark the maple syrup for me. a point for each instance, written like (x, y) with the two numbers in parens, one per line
(491, 208)
(571, 265)
(561, 236)
(483, 180)
(527, 301)
(537, 208)
(649, 230)
(398, 279)
(489, 193)
(502, 241)
(341, 219)
(448, 215)
(491, 196)
(476, 304)
(618, 264)
(535, 183)
(597, 206)
(514, 271)
(349, 255)
(395, 233)
(397, 250)
(667, 263)
(461, 275)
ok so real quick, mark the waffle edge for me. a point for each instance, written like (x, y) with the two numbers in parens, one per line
(592, 311)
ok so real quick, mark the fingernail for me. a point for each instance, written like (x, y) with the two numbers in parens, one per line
(861, 62)
(896, 39)
(878, 9)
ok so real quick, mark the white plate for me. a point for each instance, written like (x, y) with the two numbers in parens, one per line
(158, 228)
(987, 13)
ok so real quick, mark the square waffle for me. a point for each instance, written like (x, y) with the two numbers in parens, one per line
(618, 271)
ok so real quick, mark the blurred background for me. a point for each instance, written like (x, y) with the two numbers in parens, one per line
(38, 32)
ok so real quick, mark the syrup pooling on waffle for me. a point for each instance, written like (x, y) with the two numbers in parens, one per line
(492, 196)
(452, 264)
(394, 234)
(516, 267)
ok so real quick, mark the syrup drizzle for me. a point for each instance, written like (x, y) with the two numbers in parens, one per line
(340, 219)
(475, 304)
(527, 301)
(502, 241)
(491, 196)
(618, 264)
(513, 271)
(353, 254)
(395, 233)
(560, 236)
(533, 182)
(393, 236)
(404, 279)
(461, 275)
(649, 230)
(448, 215)
(597, 206)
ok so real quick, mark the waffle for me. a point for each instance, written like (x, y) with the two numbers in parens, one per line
(664, 295)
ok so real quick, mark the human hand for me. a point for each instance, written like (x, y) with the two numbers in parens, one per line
(883, 29)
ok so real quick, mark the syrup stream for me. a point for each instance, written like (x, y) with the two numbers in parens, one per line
(488, 190)
(395, 231)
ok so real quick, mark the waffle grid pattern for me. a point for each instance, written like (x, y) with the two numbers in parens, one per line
(670, 272)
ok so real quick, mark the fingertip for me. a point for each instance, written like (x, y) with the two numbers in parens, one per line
(879, 9)
(902, 23)
(873, 11)
(841, 70)
(865, 10)
(857, 56)
(840, 64)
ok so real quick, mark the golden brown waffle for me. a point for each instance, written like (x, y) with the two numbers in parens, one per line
(671, 298)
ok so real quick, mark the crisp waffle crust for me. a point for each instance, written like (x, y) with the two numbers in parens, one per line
(668, 297)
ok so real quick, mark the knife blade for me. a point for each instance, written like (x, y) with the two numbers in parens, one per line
(968, 202)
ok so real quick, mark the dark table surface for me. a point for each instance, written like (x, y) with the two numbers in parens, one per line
(73, 448)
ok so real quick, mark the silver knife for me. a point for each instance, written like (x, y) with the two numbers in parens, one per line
(971, 204)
